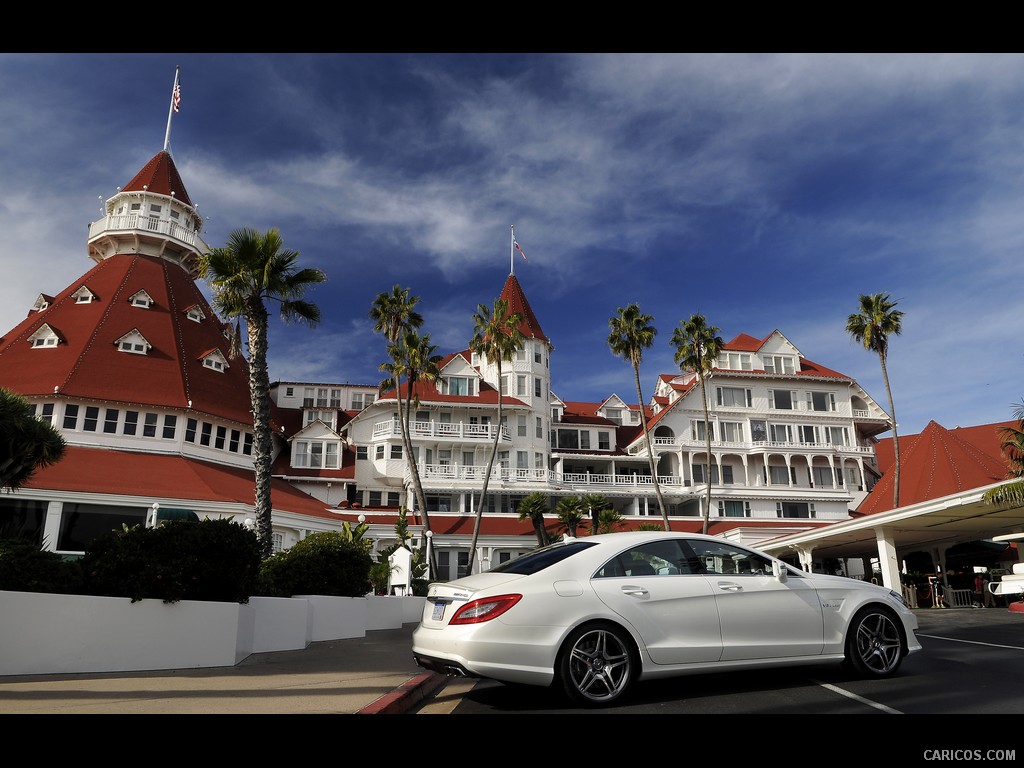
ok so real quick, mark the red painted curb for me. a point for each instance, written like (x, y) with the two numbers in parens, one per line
(405, 696)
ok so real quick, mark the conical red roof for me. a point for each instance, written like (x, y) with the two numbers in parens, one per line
(160, 176)
(513, 294)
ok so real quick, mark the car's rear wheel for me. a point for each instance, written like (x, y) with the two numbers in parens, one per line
(597, 664)
(874, 643)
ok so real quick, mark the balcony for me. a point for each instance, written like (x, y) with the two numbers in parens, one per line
(436, 430)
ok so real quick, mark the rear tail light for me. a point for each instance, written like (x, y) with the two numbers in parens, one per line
(484, 609)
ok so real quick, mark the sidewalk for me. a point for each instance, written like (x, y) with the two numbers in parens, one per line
(374, 674)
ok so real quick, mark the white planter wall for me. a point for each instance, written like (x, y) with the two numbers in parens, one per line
(44, 634)
(49, 634)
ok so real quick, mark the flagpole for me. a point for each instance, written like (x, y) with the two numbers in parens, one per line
(170, 111)
(512, 252)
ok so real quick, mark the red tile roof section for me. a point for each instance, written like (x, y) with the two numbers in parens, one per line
(97, 470)
(160, 175)
(513, 293)
(90, 366)
(938, 462)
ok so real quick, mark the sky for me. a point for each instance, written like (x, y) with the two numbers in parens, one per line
(764, 191)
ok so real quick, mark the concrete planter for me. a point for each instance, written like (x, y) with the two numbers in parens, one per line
(385, 612)
(280, 623)
(334, 618)
(43, 633)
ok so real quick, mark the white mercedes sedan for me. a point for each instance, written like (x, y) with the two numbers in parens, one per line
(593, 615)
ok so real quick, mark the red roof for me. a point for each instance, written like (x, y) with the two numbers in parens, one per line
(160, 176)
(125, 473)
(938, 462)
(513, 294)
(88, 365)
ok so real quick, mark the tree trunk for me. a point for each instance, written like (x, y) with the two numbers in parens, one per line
(411, 465)
(707, 435)
(895, 438)
(650, 453)
(487, 477)
(263, 441)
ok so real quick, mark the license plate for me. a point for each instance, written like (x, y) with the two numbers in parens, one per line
(438, 613)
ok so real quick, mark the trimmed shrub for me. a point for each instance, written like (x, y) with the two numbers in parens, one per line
(325, 563)
(24, 567)
(213, 560)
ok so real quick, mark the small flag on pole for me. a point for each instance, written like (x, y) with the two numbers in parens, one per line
(516, 244)
(176, 96)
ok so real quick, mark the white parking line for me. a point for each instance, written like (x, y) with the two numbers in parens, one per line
(973, 642)
(861, 699)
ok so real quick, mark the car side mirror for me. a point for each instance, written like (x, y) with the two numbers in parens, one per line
(779, 571)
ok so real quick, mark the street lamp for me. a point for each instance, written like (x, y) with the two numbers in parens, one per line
(430, 536)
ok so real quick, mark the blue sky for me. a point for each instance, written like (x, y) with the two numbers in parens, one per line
(766, 192)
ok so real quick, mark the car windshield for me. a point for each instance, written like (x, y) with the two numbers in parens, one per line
(540, 559)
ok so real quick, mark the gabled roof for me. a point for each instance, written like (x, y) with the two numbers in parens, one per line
(88, 365)
(159, 175)
(938, 462)
(513, 294)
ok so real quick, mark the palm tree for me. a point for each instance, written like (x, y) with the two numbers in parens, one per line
(1013, 448)
(877, 320)
(596, 504)
(697, 347)
(497, 337)
(632, 333)
(532, 508)
(252, 269)
(27, 443)
(395, 316)
(608, 520)
(571, 512)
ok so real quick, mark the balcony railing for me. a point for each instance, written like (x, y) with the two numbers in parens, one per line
(441, 430)
(749, 445)
(132, 222)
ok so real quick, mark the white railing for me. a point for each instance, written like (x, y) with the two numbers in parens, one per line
(460, 473)
(130, 222)
(728, 445)
(435, 429)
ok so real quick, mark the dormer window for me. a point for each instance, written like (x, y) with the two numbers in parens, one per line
(779, 364)
(83, 296)
(141, 299)
(42, 302)
(44, 337)
(133, 342)
(195, 314)
(215, 359)
(459, 385)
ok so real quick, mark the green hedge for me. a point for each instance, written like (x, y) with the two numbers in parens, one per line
(215, 560)
(325, 563)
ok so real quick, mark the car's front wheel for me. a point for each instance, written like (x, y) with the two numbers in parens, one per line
(597, 664)
(874, 643)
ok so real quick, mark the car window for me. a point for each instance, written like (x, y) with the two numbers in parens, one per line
(724, 558)
(655, 558)
(540, 559)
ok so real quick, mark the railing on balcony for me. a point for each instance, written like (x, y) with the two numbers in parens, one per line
(442, 430)
(728, 445)
(443, 472)
(129, 222)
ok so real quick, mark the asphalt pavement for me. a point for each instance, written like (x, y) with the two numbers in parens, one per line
(374, 674)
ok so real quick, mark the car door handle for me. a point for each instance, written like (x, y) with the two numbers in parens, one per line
(635, 591)
(729, 586)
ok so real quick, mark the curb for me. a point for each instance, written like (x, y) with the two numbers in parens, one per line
(407, 695)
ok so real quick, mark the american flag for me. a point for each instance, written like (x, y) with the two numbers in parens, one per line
(516, 244)
(176, 97)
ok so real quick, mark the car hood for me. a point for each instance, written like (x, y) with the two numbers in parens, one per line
(469, 585)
